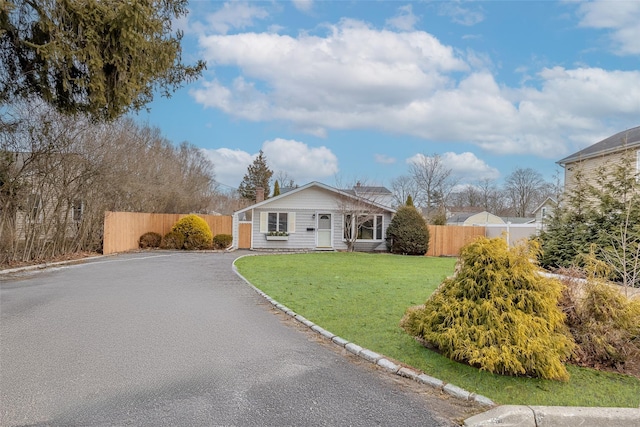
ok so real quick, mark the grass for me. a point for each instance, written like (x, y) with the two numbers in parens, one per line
(362, 297)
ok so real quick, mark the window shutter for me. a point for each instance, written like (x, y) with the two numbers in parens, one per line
(264, 216)
(291, 222)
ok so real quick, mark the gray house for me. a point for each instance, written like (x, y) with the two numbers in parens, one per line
(316, 216)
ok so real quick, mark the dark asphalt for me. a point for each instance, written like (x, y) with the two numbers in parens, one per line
(174, 339)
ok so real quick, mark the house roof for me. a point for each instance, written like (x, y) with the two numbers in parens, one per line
(626, 138)
(553, 201)
(346, 193)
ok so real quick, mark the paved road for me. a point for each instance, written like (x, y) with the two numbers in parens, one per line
(174, 339)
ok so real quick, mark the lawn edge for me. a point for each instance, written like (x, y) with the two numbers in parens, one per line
(368, 355)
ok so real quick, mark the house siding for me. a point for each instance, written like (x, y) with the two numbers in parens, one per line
(589, 167)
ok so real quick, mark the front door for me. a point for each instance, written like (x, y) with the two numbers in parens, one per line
(324, 231)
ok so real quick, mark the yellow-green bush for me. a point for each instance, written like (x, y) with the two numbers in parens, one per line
(195, 231)
(497, 313)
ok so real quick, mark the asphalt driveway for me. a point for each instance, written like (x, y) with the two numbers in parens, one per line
(175, 339)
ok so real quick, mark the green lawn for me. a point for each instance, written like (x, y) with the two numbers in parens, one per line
(362, 297)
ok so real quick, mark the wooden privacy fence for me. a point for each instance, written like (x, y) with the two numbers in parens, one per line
(122, 230)
(447, 240)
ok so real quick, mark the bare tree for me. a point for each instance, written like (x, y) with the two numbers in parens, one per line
(403, 187)
(524, 188)
(360, 214)
(434, 180)
(285, 180)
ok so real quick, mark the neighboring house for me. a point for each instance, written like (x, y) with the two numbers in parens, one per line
(473, 218)
(315, 216)
(543, 212)
(608, 151)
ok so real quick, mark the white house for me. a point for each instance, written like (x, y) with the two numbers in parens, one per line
(317, 216)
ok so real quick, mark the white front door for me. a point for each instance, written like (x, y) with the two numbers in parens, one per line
(324, 231)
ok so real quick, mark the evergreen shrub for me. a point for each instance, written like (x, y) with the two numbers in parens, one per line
(497, 313)
(195, 231)
(222, 241)
(408, 232)
(172, 240)
(604, 323)
(150, 239)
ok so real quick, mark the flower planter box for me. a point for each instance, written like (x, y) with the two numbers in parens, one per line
(277, 237)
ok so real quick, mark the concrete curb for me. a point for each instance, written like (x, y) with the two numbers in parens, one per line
(548, 416)
(49, 264)
(369, 355)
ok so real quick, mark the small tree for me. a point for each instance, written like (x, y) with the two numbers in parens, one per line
(497, 313)
(409, 200)
(276, 189)
(258, 176)
(359, 214)
(408, 232)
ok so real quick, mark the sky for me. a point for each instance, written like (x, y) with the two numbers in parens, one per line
(339, 91)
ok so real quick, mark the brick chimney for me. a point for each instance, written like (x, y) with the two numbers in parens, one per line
(259, 194)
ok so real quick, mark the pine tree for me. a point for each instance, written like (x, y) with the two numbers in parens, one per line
(258, 176)
(276, 189)
(409, 200)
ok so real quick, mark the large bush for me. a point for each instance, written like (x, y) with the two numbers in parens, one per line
(408, 232)
(195, 231)
(497, 313)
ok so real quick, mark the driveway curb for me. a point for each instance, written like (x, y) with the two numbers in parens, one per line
(548, 416)
(372, 356)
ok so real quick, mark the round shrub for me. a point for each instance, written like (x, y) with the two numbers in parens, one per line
(172, 240)
(150, 240)
(408, 232)
(497, 313)
(222, 241)
(195, 231)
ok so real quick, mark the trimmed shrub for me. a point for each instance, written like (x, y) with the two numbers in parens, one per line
(195, 231)
(172, 240)
(497, 313)
(408, 232)
(222, 241)
(150, 240)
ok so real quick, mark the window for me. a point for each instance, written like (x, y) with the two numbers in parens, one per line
(277, 222)
(78, 209)
(369, 227)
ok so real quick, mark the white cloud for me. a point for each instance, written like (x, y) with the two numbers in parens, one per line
(300, 161)
(461, 15)
(622, 18)
(405, 20)
(384, 159)
(464, 165)
(229, 165)
(359, 77)
(297, 159)
(303, 5)
(234, 15)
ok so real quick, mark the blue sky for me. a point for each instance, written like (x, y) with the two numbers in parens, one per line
(338, 91)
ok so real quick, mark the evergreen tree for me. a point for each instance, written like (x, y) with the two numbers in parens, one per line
(408, 232)
(258, 176)
(409, 200)
(101, 58)
(276, 189)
